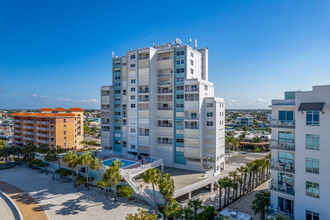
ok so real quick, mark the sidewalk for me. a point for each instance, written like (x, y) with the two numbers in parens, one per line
(29, 208)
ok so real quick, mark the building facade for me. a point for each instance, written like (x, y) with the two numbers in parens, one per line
(161, 104)
(300, 138)
(63, 127)
(246, 120)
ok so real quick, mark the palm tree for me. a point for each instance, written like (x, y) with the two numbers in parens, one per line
(174, 210)
(71, 158)
(261, 203)
(51, 157)
(58, 150)
(153, 176)
(195, 205)
(85, 160)
(235, 179)
(219, 186)
(230, 142)
(97, 164)
(43, 149)
(242, 174)
(28, 151)
(112, 175)
(166, 188)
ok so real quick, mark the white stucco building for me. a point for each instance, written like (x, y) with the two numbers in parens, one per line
(300, 154)
(161, 104)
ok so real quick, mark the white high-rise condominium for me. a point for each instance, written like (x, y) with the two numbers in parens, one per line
(300, 154)
(161, 105)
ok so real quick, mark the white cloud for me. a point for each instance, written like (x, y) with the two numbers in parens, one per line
(260, 99)
(86, 100)
(39, 97)
(63, 100)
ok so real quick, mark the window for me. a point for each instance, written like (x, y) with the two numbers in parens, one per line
(180, 79)
(209, 123)
(312, 141)
(64, 139)
(64, 132)
(285, 157)
(312, 189)
(285, 116)
(209, 114)
(132, 57)
(132, 97)
(64, 144)
(179, 105)
(313, 118)
(209, 104)
(180, 53)
(64, 120)
(179, 140)
(191, 62)
(117, 70)
(179, 96)
(312, 165)
(117, 77)
(132, 105)
(133, 65)
(133, 130)
(285, 204)
(133, 89)
(180, 62)
(64, 126)
(180, 70)
(117, 84)
(179, 87)
(132, 146)
(192, 97)
(312, 215)
(117, 91)
(192, 54)
(117, 113)
(132, 81)
(191, 71)
(285, 137)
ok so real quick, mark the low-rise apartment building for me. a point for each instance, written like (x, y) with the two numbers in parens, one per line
(63, 127)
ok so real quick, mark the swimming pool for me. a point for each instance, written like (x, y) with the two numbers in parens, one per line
(126, 163)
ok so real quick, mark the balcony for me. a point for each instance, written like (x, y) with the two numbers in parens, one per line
(16, 120)
(17, 136)
(190, 117)
(191, 90)
(144, 91)
(191, 127)
(143, 57)
(165, 126)
(162, 75)
(42, 129)
(286, 167)
(274, 144)
(18, 142)
(165, 91)
(43, 135)
(282, 188)
(17, 126)
(164, 58)
(165, 108)
(43, 141)
(164, 83)
(27, 132)
(28, 138)
(165, 142)
(28, 127)
(143, 99)
(43, 122)
(282, 124)
(28, 121)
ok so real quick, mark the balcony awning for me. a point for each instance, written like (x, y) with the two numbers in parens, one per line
(311, 106)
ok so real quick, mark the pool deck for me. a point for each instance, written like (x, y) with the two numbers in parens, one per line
(124, 158)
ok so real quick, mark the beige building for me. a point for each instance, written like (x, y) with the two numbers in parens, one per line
(63, 127)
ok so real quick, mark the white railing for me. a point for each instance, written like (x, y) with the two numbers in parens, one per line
(28, 121)
(27, 132)
(28, 127)
(43, 141)
(43, 122)
(42, 135)
(17, 120)
(28, 138)
(288, 167)
(42, 129)
(17, 126)
(274, 144)
(17, 136)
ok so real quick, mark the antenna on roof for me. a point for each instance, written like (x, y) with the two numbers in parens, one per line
(189, 41)
(195, 43)
(113, 54)
(178, 41)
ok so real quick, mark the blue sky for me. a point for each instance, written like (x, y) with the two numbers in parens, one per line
(58, 53)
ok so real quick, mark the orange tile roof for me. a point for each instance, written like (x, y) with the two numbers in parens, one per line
(45, 109)
(44, 114)
(76, 110)
(60, 109)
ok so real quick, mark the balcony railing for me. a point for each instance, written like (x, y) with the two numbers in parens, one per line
(43, 135)
(189, 117)
(164, 58)
(16, 120)
(164, 99)
(143, 57)
(192, 90)
(165, 91)
(286, 167)
(143, 99)
(165, 108)
(165, 83)
(28, 138)
(282, 124)
(191, 127)
(144, 91)
(164, 75)
(18, 142)
(28, 127)
(283, 188)
(42, 129)
(165, 142)
(27, 132)
(165, 126)
(17, 126)
(143, 133)
(272, 212)
(17, 136)
(28, 121)
(43, 122)
(43, 141)
(274, 144)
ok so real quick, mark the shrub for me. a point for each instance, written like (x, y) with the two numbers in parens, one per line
(125, 191)
(63, 172)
